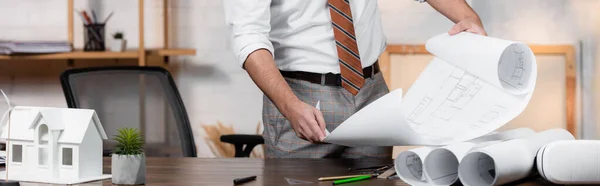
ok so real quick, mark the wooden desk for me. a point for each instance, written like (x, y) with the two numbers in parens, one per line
(216, 172)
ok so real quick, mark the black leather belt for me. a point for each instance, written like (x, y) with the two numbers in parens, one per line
(329, 79)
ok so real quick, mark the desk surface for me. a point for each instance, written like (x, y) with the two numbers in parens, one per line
(208, 171)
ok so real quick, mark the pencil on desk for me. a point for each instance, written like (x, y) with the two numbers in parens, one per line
(341, 177)
(350, 180)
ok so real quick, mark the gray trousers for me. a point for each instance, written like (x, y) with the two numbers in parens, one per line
(337, 104)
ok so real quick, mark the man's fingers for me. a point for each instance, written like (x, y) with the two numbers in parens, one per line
(467, 26)
(307, 131)
(317, 133)
(477, 30)
(300, 133)
(321, 122)
(457, 28)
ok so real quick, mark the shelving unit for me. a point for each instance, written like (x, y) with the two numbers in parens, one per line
(78, 54)
(141, 54)
(25, 65)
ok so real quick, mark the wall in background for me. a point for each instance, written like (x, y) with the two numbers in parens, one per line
(213, 86)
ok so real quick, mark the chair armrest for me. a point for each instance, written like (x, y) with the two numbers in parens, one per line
(243, 139)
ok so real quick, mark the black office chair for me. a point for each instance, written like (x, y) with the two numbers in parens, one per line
(243, 143)
(136, 97)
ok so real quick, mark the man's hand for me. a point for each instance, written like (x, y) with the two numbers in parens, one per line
(306, 120)
(470, 24)
(459, 12)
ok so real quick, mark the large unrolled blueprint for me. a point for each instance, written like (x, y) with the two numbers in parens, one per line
(507, 161)
(439, 165)
(473, 86)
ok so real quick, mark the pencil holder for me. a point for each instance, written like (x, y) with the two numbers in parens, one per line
(94, 37)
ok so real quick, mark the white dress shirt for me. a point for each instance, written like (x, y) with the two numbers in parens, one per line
(299, 33)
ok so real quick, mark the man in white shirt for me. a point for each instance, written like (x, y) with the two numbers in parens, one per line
(300, 52)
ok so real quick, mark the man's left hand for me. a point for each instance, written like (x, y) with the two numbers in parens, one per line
(470, 24)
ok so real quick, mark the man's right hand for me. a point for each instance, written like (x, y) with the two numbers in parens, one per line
(306, 120)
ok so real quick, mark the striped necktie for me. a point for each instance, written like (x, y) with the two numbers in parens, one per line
(347, 49)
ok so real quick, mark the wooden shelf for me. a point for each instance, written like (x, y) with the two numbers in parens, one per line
(173, 52)
(141, 54)
(75, 55)
(78, 54)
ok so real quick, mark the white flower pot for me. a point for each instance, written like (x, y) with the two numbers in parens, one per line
(118, 45)
(128, 169)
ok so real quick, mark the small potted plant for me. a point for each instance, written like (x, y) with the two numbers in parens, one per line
(119, 43)
(128, 159)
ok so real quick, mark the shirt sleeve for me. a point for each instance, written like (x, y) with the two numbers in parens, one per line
(249, 23)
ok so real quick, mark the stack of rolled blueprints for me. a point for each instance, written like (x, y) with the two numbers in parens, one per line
(493, 159)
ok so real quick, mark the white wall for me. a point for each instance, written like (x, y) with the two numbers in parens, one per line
(212, 85)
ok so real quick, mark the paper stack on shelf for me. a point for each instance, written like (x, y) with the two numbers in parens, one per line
(2, 157)
(16, 47)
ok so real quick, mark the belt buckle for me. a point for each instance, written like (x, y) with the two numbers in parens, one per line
(322, 79)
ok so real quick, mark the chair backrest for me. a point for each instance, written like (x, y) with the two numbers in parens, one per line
(135, 97)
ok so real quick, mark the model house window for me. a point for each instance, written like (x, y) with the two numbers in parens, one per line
(43, 156)
(43, 151)
(67, 156)
(17, 153)
(43, 134)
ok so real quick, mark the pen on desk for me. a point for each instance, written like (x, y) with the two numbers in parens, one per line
(354, 179)
(243, 180)
(371, 167)
(340, 177)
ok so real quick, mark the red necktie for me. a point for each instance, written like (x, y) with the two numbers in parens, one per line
(347, 49)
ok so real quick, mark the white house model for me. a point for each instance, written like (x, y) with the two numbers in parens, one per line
(54, 145)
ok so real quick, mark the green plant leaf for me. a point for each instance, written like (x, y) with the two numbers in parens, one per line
(118, 35)
(129, 142)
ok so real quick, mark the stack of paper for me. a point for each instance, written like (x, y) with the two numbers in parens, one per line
(2, 157)
(493, 159)
(15, 47)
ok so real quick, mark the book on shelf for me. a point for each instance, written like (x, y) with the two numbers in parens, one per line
(33, 47)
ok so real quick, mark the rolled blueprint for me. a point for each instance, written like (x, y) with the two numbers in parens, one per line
(440, 167)
(474, 85)
(409, 165)
(507, 161)
(570, 162)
